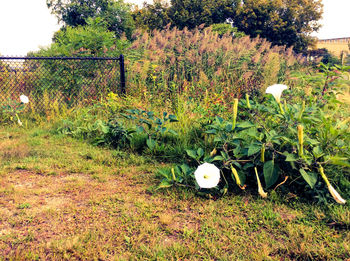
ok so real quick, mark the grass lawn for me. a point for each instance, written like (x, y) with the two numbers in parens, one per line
(64, 199)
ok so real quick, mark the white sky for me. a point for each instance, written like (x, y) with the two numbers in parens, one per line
(27, 24)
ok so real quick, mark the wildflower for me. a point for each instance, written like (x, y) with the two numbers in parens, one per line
(24, 99)
(261, 191)
(207, 175)
(276, 90)
(332, 190)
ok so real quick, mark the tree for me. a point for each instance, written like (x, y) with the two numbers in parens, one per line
(192, 13)
(116, 14)
(152, 16)
(282, 22)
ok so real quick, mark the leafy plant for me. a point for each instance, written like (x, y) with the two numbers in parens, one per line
(148, 123)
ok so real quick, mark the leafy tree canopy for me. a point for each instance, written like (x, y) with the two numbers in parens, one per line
(92, 39)
(116, 14)
(282, 22)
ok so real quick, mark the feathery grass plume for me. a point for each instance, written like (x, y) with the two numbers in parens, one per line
(301, 139)
(183, 54)
(331, 189)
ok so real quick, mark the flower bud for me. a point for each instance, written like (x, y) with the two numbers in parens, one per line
(261, 191)
(235, 110)
(301, 139)
(262, 158)
(213, 152)
(235, 174)
(247, 99)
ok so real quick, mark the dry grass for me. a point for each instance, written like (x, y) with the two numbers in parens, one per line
(65, 200)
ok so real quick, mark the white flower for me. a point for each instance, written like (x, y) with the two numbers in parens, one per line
(24, 99)
(207, 175)
(19, 122)
(336, 195)
(276, 90)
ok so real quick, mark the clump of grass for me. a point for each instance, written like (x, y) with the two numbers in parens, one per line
(193, 62)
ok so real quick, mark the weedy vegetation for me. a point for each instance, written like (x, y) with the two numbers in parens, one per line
(116, 180)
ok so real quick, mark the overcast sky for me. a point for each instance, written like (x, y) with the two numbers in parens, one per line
(27, 24)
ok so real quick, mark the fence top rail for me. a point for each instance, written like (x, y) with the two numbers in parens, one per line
(59, 58)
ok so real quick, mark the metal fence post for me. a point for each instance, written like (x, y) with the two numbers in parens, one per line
(122, 74)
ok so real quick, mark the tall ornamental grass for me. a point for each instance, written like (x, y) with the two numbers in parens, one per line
(201, 61)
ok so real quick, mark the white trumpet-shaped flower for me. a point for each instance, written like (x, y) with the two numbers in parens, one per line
(24, 99)
(261, 191)
(336, 195)
(331, 190)
(276, 90)
(207, 175)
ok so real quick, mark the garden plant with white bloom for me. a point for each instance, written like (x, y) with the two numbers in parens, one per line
(24, 99)
(276, 90)
(207, 175)
(13, 108)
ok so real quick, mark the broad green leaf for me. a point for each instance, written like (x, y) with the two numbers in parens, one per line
(192, 154)
(245, 124)
(310, 177)
(217, 158)
(253, 149)
(270, 173)
(290, 156)
(317, 151)
(200, 152)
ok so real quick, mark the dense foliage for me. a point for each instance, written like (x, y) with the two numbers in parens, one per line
(116, 14)
(201, 63)
(280, 22)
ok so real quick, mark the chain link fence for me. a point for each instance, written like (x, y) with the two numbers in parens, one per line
(64, 80)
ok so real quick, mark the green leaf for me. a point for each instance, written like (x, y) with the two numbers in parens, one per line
(270, 173)
(340, 161)
(192, 154)
(200, 152)
(317, 151)
(290, 156)
(212, 131)
(151, 143)
(217, 158)
(165, 184)
(310, 177)
(245, 124)
(253, 149)
(173, 118)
